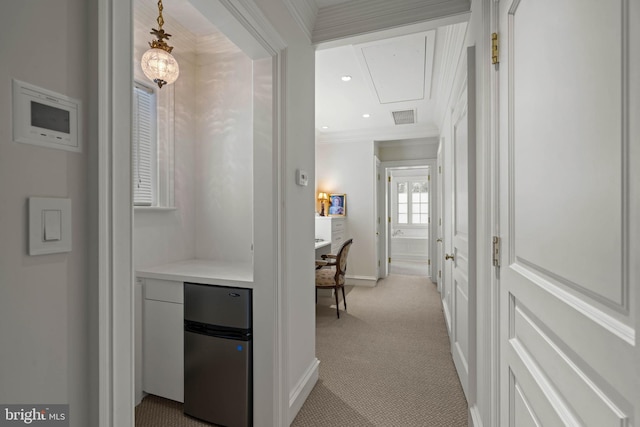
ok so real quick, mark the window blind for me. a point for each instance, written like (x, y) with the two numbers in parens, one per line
(143, 145)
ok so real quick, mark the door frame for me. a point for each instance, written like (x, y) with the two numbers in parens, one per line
(380, 215)
(433, 201)
(112, 210)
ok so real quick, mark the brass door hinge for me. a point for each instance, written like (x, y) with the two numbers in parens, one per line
(428, 262)
(389, 260)
(496, 251)
(378, 263)
(389, 178)
(495, 49)
(389, 219)
(439, 169)
(428, 177)
(439, 274)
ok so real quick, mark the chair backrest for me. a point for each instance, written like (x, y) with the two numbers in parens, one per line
(341, 261)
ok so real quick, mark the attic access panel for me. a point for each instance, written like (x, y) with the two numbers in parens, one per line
(399, 69)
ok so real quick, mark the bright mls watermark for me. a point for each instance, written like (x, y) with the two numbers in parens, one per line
(34, 415)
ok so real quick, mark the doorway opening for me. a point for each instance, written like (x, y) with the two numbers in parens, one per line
(408, 219)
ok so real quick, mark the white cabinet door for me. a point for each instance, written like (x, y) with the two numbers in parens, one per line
(569, 170)
(163, 350)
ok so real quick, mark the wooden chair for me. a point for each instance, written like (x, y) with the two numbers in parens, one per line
(330, 271)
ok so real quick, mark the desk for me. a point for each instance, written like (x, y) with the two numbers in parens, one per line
(323, 248)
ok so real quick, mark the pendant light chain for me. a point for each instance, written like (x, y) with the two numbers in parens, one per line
(160, 18)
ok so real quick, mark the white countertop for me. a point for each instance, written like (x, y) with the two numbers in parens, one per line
(202, 271)
(322, 244)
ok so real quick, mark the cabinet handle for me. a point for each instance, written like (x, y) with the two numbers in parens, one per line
(447, 256)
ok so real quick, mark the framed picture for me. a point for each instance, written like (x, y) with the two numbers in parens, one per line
(338, 205)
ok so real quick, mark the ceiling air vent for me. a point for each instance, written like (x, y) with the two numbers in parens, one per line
(404, 117)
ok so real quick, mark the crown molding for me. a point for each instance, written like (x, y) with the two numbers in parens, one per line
(391, 133)
(360, 17)
(304, 12)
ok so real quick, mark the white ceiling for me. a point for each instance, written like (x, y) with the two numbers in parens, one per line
(386, 75)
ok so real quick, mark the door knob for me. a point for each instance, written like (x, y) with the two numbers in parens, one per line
(447, 256)
(439, 240)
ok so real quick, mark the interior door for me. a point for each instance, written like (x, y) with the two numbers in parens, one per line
(440, 215)
(569, 86)
(380, 217)
(462, 257)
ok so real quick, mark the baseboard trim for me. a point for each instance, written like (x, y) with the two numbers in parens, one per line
(368, 281)
(475, 420)
(301, 391)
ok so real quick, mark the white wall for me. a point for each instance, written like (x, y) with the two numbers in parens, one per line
(167, 236)
(45, 318)
(298, 136)
(426, 148)
(349, 167)
(224, 155)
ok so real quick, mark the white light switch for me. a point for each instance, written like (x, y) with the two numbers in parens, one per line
(49, 225)
(52, 224)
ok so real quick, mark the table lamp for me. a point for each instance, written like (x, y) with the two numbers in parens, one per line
(322, 197)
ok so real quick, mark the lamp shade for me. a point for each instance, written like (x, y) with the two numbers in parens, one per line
(160, 66)
(323, 196)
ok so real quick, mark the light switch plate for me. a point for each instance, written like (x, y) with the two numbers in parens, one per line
(302, 177)
(49, 225)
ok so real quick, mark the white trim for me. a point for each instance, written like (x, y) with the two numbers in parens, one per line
(139, 209)
(115, 272)
(453, 47)
(304, 12)
(400, 132)
(281, 385)
(368, 281)
(342, 22)
(302, 390)
(475, 418)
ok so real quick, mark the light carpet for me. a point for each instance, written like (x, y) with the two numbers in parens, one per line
(386, 361)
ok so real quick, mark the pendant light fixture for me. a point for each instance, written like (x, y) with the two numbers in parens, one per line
(157, 63)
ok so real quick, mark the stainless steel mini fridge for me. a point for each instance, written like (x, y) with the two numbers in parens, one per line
(218, 354)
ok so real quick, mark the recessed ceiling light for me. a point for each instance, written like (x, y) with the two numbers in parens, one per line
(345, 78)
(366, 116)
(325, 127)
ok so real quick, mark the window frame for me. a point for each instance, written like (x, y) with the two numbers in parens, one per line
(149, 174)
(395, 201)
(163, 151)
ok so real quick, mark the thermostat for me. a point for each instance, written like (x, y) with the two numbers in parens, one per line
(45, 118)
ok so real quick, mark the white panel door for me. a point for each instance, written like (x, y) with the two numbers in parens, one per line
(462, 257)
(381, 237)
(569, 87)
(440, 217)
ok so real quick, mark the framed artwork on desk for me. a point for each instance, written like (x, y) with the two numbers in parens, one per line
(338, 206)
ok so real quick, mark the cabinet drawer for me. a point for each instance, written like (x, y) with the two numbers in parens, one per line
(337, 239)
(163, 290)
(337, 225)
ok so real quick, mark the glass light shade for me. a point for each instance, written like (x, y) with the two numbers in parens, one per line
(160, 66)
